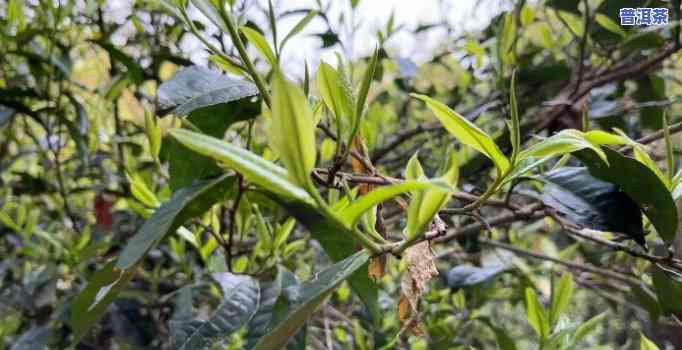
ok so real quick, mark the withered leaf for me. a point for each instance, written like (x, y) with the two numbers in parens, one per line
(421, 269)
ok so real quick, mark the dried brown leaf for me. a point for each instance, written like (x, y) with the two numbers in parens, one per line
(377, 267)
(421, 269)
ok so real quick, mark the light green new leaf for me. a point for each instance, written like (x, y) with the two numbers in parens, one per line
(668, 291)
(414, 170)
(298, 27)
(466, 132)
(254, 168)
(141, 192)
(241, 299)
(643, 157)
(366, 82)
(588, 327)
(351, 214)
(669, 151)
(536, 314)
(259, 41)
(335, 93)
(153, 132)
(563, 142)
(515, 126)
(561, 297)
(600, 137)
(426, 204)
(640, 153)
(646, 344)
(293, 130)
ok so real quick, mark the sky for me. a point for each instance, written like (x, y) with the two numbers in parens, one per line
(372, 15)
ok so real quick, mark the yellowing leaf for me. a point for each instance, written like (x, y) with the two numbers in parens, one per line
(351, 214)
(601, 137)
(153, 134)
(254, 168)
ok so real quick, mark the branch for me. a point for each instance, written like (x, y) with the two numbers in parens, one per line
(573, 265)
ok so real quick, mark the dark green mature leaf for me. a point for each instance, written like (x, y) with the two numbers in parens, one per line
(351, 214)
(241, 299)
(669, 292)
(651, 88)
(254, 168)
(514, 123)
(466, 276)
(105, 285)
(91, 304)
(591, 202)
(338, 244)
(181, 313)
(258, 40)
(185, 203)
(563, 142)
(197, 87)
(640, 184)
(304, 299)
(270, 292)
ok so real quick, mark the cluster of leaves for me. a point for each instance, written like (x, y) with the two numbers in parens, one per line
(266, 213)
